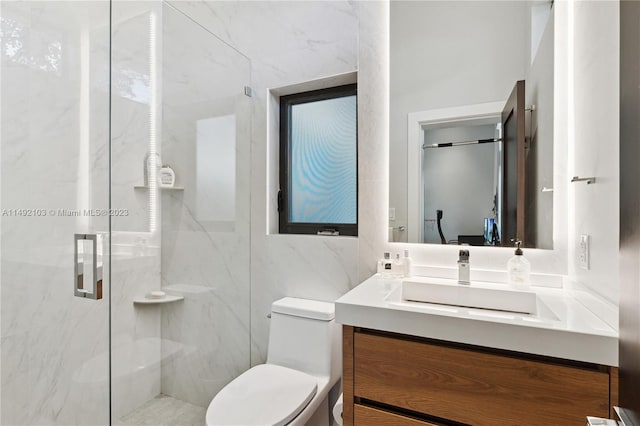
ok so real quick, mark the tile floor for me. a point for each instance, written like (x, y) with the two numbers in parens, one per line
(165, 411)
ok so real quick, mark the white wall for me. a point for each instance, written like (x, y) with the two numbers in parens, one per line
(446, 54)
(596, 144)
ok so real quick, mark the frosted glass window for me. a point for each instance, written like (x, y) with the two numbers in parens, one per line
(322, 163)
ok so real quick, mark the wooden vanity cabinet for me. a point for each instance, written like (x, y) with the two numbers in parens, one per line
(392, 379)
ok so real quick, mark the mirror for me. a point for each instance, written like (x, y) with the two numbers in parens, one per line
(471, 122)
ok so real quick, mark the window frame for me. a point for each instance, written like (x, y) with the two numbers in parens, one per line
(286, 102)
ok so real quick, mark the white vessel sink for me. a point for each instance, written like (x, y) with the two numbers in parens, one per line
(481, 296)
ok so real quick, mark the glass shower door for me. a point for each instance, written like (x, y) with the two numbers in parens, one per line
(54, 222)
(95, 98)
(179, 102)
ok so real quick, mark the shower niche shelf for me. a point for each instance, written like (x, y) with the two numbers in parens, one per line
(162, 188)
(159, 301)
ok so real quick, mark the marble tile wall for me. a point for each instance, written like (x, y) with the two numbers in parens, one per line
(136, 344)
(321, 40)
(131, 112)
(297, 42)
(205, 257)
(373, 108)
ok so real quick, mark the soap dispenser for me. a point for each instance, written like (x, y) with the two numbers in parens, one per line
(408, 264)
(397, 269)
(519, 269)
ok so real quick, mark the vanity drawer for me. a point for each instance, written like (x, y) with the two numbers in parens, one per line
(473, 386)
(367, 416)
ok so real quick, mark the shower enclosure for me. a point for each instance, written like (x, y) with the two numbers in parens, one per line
(97, 97)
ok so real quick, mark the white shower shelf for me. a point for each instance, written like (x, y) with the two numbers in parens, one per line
(166, 299)
(163, 188)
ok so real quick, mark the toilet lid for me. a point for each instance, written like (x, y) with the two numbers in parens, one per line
(266, 394)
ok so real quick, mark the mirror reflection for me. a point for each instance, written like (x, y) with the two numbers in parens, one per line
(474, 179)
(471, 122)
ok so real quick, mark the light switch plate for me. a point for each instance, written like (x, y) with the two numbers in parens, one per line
(392, 213)
(583, 251)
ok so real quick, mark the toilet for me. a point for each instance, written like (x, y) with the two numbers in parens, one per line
(304, 361)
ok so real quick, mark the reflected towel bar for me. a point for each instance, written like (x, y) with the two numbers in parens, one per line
(589, 180)
(448, 144)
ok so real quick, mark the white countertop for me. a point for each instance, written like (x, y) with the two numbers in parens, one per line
(566, 330)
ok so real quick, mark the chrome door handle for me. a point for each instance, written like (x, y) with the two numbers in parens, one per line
(79, 263)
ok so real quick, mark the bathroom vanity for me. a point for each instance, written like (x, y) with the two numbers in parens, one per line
(410, 363)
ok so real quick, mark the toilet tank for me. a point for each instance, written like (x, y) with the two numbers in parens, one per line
(303, 335)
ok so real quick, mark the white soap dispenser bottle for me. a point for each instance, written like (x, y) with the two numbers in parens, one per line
(519, 269)
(398, 267)
(408, 264)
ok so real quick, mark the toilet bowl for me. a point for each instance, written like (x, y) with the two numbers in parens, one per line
(303, 364)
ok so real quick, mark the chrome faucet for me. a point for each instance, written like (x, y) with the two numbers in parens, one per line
(463, 267)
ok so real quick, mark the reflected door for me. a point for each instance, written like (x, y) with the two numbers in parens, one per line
(513, 167)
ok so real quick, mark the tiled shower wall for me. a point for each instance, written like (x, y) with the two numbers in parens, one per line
(297, 42)
(135, 114)
(205, 248)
